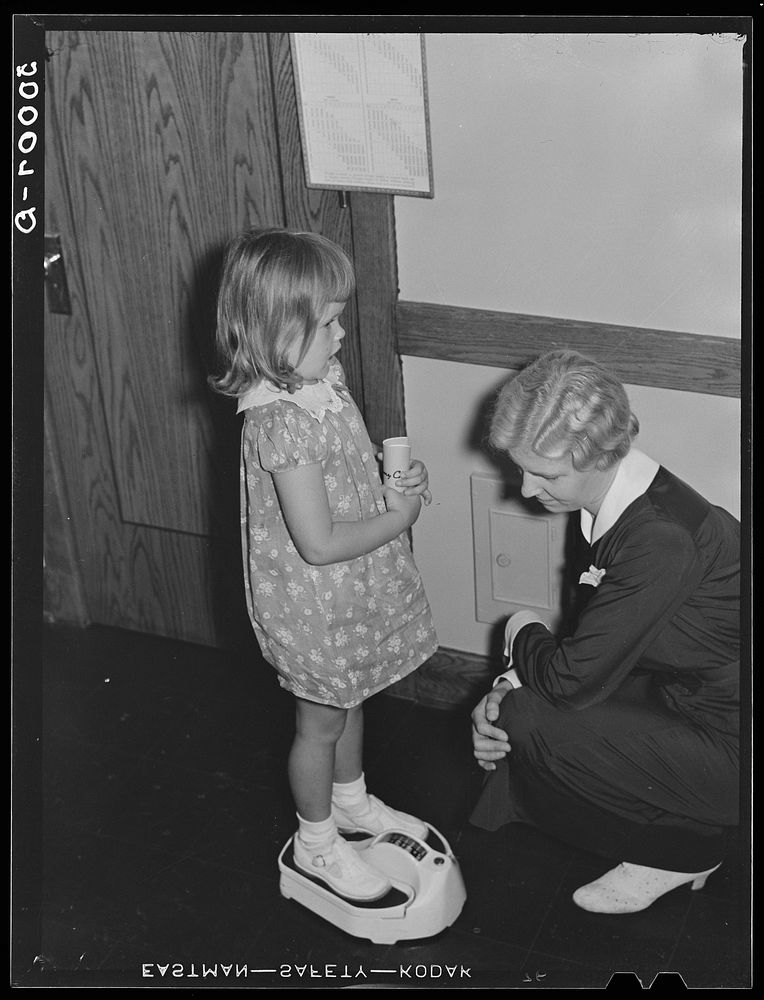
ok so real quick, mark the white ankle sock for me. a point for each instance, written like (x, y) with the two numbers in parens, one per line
(315, 836)
(351, 796)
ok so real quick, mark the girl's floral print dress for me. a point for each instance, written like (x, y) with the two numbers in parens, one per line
(336, 634)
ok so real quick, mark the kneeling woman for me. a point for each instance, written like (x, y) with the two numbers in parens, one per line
(621, 737)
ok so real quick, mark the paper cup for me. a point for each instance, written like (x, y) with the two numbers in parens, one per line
(396, 460)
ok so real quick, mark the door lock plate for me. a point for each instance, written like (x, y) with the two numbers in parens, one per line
(55, 276)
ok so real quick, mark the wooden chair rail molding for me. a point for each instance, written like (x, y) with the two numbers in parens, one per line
(639, 356)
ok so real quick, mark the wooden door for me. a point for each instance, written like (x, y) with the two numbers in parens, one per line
(159, 147)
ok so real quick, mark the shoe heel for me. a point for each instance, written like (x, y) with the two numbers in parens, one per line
(698, 883)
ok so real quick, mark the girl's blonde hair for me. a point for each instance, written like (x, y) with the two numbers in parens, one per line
(565, 403)
(275, 286)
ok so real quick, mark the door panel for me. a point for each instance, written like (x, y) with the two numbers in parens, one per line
(169, 145)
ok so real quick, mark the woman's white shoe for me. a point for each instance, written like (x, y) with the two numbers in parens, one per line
(340, 869)
(630, 888)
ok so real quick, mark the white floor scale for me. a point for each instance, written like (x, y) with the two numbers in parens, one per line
(427, 893)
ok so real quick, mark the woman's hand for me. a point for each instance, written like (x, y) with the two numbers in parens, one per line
(489, 743)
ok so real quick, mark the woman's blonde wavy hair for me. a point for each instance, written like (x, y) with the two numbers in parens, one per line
(275, 285)
(565, 403)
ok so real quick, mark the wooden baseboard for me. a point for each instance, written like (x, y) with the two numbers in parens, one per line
(450, 679)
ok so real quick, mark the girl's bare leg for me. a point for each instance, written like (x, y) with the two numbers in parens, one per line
(348, 757)
(318, 729)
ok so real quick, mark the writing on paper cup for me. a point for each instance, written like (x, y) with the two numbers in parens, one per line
(396, 460)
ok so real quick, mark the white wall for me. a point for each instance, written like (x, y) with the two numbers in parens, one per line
(592, 177)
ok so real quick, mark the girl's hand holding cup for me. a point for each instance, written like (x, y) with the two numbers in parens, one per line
(400, 473)
(415, 482)
(397, 501)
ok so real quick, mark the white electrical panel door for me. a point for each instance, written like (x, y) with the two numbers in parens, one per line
(519, 553)
(519, 558)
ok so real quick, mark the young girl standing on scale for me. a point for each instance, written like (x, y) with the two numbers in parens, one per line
(334, 596)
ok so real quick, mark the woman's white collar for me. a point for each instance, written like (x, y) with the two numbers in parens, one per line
(316, 398)
(635, 473)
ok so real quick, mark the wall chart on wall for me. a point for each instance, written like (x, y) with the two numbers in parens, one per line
(362, 106)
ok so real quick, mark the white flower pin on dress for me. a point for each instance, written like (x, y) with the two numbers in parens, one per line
(593, 576)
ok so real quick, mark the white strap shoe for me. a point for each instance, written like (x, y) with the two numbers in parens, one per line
(629, 888)
(378, 818)
(341, 870)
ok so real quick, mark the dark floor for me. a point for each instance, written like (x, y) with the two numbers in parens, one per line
(166, 804)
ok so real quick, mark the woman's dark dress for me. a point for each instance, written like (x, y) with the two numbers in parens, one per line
(625, 736)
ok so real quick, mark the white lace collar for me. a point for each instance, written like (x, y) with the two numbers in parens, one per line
(316, 398)
(635, 473)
